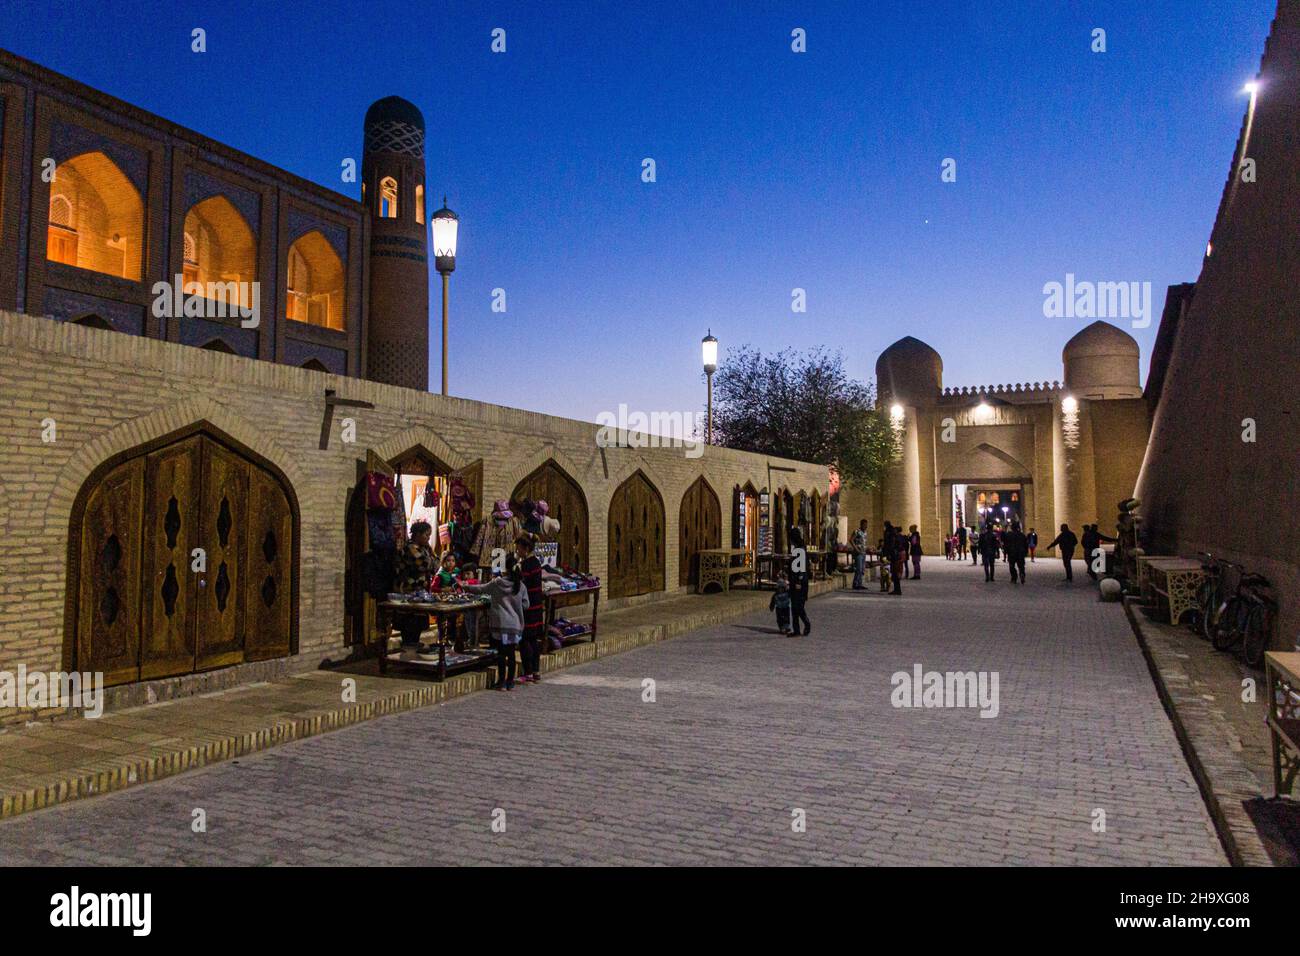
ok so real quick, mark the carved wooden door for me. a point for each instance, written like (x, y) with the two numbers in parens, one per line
(636, 539)
(699, 527)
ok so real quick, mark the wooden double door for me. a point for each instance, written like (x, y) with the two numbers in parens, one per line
(699, 527)
(636, 538)
(183, 559)
(567, 504)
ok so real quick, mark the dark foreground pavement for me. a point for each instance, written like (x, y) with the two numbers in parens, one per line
(746, 728)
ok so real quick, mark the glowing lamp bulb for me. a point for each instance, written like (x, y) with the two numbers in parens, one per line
(1069, 404)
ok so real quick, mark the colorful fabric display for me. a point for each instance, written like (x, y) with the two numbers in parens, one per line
(380, 493)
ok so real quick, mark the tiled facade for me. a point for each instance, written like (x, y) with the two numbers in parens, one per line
(47, 120)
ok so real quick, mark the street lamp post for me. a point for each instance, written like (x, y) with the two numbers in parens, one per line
(709, 346)
(445, 226)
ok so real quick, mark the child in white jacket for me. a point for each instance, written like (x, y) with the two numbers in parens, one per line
(505, 618)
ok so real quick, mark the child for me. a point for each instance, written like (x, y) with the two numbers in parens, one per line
(505, 617)
(781, 604)
(530, 647)
(445, 580)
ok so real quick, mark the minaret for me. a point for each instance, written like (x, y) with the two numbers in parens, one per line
(392, 170)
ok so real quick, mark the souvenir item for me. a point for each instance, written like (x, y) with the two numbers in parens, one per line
(380, 495)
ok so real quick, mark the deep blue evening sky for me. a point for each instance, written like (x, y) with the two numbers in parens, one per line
(776, 170)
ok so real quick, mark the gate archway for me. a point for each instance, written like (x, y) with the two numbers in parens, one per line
(636, 538)
(142, 601)
(699, 527)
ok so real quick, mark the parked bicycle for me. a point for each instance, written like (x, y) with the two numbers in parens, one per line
(1210, 597)
(1247, 617)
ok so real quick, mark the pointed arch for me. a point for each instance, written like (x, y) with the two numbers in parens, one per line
(314, 282)
(95, 220)
(636, 533)
(699, 527)
(220, 252)
(133, 610)
(567, 503)
(156, 424)
(422, 437)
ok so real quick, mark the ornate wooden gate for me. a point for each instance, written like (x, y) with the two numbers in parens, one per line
(568, 505)
(636, 538)
(141, 603)
(699, 527)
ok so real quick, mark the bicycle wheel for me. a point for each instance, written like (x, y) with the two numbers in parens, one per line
(1226, 631)
(1201, 617)
(1259, 628)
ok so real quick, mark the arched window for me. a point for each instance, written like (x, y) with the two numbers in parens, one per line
(220, 252)
(96, 220)
(419, 204)
(315, 283)
(388, 197)
(93, 321)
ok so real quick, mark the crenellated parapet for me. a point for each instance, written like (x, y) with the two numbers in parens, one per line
(1043, 391)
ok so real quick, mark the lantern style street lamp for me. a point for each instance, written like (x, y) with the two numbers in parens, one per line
(709, 347)
(445, 225)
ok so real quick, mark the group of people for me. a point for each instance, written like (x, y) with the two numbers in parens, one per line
(900, 554)
(514, 612)
(1010, 542)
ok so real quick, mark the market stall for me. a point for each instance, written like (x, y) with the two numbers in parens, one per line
(438, 607)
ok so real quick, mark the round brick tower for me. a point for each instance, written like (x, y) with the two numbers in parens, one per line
(392, 169)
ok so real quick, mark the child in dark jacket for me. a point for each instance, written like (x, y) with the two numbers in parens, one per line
(781, 604)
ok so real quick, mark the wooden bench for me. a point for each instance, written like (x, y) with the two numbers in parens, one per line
(719, 566)
(1282, 669)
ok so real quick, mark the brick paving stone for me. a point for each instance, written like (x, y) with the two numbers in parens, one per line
(746, 726)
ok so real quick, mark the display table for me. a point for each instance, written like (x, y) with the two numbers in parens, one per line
(551, 595)
(446, 663)
(1176, 580)
(1282, 669)
(720, 565)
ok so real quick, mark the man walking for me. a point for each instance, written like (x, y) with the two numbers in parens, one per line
(974, 547)
(961, 542)
(1033, 543)
(989, 552)
(1067, 540)
(860, 541)
(895, 548)
(1015, 544)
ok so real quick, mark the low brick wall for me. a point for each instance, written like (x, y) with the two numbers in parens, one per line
(108, 392)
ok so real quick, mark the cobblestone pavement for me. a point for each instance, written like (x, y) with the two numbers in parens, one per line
(746, 727)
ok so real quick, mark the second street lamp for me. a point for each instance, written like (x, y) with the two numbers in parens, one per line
(445, 226)
(709, 347)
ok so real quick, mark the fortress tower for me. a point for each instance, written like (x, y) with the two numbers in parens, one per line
(392, 169)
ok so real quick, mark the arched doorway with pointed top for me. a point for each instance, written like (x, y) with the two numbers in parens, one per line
(567, 505)
(699, 527)
(182, 557)
(636, 538)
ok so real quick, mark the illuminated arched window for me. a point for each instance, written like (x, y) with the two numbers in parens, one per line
(96, 219)
(388, 197)
(419, 204)
(220, 252)
(315, 282)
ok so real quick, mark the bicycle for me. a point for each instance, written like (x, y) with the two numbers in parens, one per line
(1247, 617)
(1209, 597)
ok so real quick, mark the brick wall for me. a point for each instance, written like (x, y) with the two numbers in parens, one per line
(108, 392)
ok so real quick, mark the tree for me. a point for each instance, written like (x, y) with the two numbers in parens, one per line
(802, 406)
